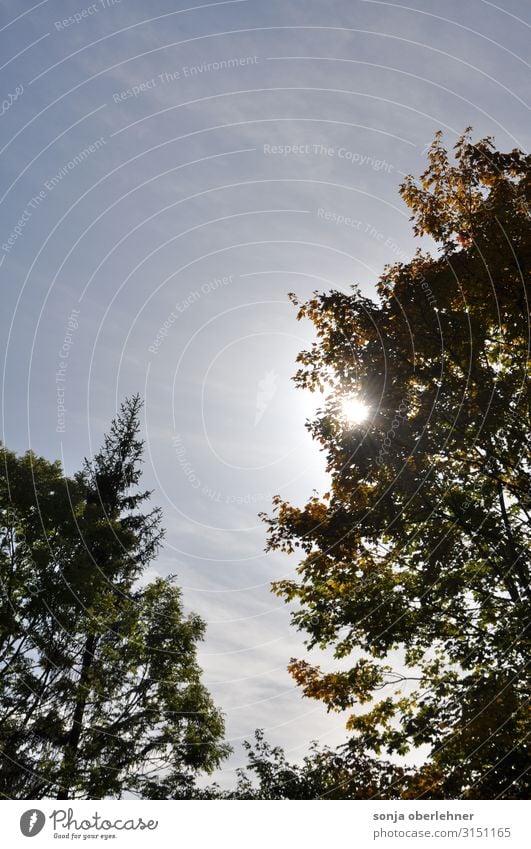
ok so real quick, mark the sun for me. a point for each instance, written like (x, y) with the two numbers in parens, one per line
(354, 410)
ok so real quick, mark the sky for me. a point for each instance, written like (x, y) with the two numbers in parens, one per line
(169, 173)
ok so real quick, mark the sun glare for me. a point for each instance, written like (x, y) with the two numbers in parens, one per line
(353, 410)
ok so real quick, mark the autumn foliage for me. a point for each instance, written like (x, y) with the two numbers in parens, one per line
(415, 566)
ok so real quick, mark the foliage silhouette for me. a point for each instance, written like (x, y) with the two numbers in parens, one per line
(420, 551)
(100, 691)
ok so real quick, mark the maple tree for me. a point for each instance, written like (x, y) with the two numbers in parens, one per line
(416, 564)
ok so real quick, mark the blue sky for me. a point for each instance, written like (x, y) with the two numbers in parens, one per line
(169, 174)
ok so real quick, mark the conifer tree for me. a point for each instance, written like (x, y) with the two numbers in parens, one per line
(100, 690)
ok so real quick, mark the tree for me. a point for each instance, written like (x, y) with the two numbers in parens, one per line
(100, 690)
(420, 551)
(343, 773)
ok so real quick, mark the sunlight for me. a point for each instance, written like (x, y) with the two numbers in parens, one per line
(310, 403)
(354, 410)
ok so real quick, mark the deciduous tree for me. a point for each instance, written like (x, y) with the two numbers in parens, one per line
(416, 563)
(347, 772)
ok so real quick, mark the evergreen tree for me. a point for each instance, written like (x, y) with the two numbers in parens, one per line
(100, 689)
